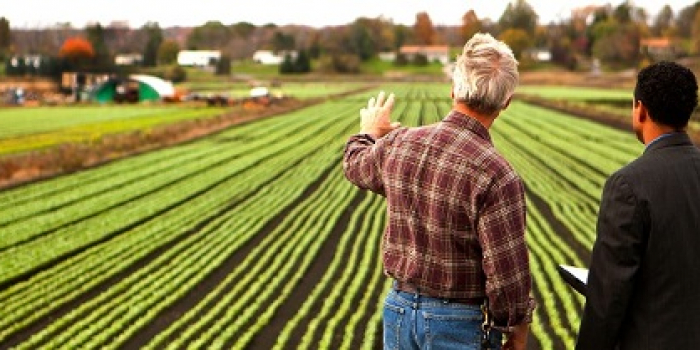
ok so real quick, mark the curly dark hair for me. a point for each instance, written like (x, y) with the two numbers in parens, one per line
(669, 91)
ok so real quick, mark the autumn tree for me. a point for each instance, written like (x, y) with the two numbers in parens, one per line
(517, 39)
(696, 32)
(423, 29)
(242, 29)
(623, 12)
(338, 57)
(282, 42)
(685, 19)
(5, 36)
(562, 52)
(369, 36)
(470, 25)
(663, 22)
(76, 49)
(315, 48)
(77, 54)
(519, 15)
(213, 34)
(167, 52)
(615, 42)
(402, 35)
(332, 41)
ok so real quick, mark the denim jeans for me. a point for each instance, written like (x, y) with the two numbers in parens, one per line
(413, 321)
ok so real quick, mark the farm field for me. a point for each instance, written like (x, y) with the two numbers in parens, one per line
(35, 128)
(300, 90)
(32, 128)
(577, 93)
(252, 238)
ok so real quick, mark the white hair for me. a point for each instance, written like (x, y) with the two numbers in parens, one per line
(485, 75)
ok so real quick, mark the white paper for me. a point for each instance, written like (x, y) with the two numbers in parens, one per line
(580, 273)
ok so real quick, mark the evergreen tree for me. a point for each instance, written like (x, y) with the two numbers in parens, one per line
(303, 62)
(5, 36)
(102, 59)
(154, 37)
(223, 66)
(287, 65)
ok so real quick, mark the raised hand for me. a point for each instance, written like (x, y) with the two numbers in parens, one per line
(375, 119)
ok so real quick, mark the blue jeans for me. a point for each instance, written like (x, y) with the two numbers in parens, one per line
(413, 321)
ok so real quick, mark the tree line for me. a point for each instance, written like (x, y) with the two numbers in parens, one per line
(611, 34)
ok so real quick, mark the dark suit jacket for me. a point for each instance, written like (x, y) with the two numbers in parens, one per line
(644, 280)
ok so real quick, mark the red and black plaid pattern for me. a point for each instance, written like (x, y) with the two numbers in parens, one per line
(456, 213)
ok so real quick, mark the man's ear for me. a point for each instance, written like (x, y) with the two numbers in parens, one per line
(642, 114)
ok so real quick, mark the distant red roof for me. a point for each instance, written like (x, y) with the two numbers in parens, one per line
(413, 49)
(656, 42)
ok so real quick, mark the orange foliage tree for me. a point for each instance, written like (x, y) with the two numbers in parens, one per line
(76, 49)
(424, 30)
(470, 25)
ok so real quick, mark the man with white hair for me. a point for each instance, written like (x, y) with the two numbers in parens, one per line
(455, 241)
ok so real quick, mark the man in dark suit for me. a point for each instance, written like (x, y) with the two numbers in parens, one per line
(644, 280)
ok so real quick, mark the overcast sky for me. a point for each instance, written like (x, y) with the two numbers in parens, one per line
(317, 13)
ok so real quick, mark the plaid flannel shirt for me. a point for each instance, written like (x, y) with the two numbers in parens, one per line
(456, 213)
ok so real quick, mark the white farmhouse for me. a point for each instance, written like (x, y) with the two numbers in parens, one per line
(434, 53)
(200, 58)
(269, 57)
(128, 59)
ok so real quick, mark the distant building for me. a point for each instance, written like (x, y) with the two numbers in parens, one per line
(27, 61)
(129, 59)
(660, 48)
(539, 54)
(269, 57)
(135, 88)
(439, 53)
(199, 58)
(387, 56)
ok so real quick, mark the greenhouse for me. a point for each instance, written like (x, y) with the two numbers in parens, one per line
(135, 88)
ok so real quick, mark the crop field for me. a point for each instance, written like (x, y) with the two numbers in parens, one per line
(615, 102)
(577, 93)
(32, 128)
(252, 238)
(300, 90)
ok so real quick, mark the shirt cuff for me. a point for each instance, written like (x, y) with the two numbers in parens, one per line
(531, 305)
(363, 136)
